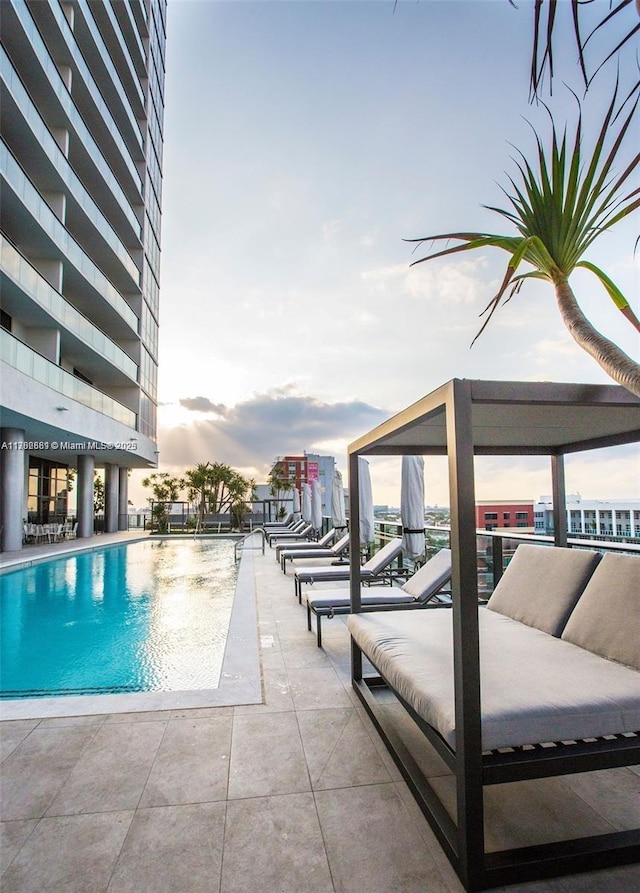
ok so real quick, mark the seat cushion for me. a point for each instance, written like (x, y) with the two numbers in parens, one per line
(534, 687)
(541, 585)
(606, 619)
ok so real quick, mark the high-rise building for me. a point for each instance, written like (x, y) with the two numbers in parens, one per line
(81, 159)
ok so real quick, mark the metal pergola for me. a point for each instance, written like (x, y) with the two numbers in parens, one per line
(463, 419)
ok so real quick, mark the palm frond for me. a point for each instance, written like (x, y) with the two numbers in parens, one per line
(545, 24)
(614, 293)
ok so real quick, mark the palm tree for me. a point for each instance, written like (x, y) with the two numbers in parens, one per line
(558, 212)
(544, 28)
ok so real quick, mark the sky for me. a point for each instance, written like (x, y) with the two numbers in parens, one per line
(304, 143)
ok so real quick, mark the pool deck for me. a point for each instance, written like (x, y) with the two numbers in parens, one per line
(295, 794)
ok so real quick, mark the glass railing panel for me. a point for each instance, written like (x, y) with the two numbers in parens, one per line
(72, 113)
(115, 77)
(39, 290)
(92, 87)
(70, 249)
(117, 30)
(21, 357)
(59, 161)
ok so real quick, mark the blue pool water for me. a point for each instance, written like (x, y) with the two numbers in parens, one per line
(147, 616)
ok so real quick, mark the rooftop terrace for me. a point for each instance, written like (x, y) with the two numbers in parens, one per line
(295, 794)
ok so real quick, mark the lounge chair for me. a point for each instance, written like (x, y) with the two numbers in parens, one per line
(323, 543)
(294, 527)
(418, 591)
(295, 552)
(304, 533)
(376, 568)
(289, 522)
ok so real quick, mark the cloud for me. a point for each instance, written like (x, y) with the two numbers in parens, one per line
(203, 404)
(255, 431)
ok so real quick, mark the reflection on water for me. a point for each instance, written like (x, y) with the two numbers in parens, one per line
(149, 616)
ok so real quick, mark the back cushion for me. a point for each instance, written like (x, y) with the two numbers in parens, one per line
(542, 584)
(606, 619)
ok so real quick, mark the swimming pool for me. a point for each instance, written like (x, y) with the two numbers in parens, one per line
(142, 617)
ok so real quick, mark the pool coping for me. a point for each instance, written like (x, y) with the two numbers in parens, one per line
(240, 676)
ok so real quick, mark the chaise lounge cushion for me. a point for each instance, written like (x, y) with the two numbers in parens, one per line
(542, 593)
(606, 619)
(534, 687)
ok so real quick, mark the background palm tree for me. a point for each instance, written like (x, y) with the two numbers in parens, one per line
(559, 210)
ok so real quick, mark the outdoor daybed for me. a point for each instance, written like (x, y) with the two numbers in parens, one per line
(542, 681)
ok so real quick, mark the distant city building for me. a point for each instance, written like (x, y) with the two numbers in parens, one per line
(306, 468)
(592, 517)
(81, 180)
(500, 514)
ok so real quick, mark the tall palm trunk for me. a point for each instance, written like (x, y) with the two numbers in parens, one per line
(614, 361)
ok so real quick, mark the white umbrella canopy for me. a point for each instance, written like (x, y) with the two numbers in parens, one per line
(296, 504)
(365, 500)
(316, 505)
(412, 506)
(338, 516)
(306, 503)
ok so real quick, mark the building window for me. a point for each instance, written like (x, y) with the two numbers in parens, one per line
(490, 516)
(506, 516)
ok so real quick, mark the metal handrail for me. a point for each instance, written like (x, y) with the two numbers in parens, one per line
(240, 544)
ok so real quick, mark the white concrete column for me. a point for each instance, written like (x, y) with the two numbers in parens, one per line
(11, 488)
(86, 467)
(111, 483)
(123, 499)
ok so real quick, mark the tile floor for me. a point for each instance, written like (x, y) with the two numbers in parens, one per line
(293, 795)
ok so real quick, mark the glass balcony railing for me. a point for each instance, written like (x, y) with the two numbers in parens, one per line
(30, 27)
(83, 6)
(64, 97)
(93, 88)
(117, 30)
(58, 160)
(69, 248)
(27, 278)
(26, 360)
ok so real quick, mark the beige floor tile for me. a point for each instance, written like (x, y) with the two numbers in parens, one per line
(372, 844)
(614, 793)
(274, 845)
(113, 770)
(37, 768)
(172, 849)
(192, 763)
(13, 836)
(316, 688)
(12, 733)
(339, 750)
(277, 694)
(267, 757)
(69, 854)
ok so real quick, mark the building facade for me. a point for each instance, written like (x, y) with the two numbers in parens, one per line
(306, 468)
(81, 178)
(604, 518)
(498, 515)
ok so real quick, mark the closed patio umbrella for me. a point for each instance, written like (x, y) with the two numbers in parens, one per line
(316, 505)
(296, 504)
(412, 506)
(365, 502)
(306, 503)
(338, 516)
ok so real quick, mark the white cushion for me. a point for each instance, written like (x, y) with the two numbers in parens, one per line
(606, 619)
(541, 585)
(534, 687)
